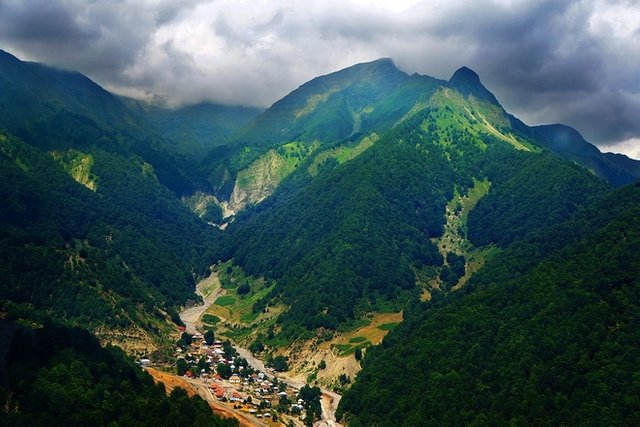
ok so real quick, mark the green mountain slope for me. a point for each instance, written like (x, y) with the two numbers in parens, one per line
(57, 110)
(545, 333)
(118, 257)
(195, 129)
(327, 108)
(355, 238)
(340, 107)
(334, 112)
(61, 376)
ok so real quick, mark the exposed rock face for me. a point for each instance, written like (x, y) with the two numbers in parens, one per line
(259, 180)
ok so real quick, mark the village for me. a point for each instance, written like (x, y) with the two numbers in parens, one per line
(234, 383)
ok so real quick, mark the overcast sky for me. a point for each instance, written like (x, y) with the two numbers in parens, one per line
(547, 61)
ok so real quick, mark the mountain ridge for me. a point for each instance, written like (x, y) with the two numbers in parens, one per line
(373, 97)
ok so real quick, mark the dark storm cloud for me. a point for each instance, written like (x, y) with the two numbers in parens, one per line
(39, 21)
(70, 34)
(547, 61)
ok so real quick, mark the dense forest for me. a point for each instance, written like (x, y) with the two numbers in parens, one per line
(350, 240)
(91, 229)
(62, 376)
(92, 257)
(544, 332)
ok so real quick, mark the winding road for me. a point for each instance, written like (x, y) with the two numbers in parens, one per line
(191, 316)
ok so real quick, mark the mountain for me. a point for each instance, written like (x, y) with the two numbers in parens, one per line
(337, 109)
(344, 237)
(333, 113)
(467, 82)
(57, 110)
(543, 332)
(91, 230)
(631, 166)
(363, 197)
(568, 143)
(195, 129)
(327, 108)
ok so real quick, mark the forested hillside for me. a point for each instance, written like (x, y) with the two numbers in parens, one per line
(59, 375)
(546, 332)
(195, 129)
(334, 111)
(351, 240)
(112, 256)
(59, 110)
(362, 194)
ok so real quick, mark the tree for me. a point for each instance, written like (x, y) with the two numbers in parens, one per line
(209, 337)
(224, 370)
(311, 397)
(280, 363)
(322, 364)
(228, 349)
(257, 346)
(202, 364)
(244, 289)
(181, 366)
(185, 340)
(358, 353)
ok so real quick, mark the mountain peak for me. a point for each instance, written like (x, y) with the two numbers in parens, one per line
(465, 74)
(380, 65)
(467, 82)
(4, 55)
(384, 62)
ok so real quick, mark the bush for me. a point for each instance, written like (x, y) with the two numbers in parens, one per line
(244, 289)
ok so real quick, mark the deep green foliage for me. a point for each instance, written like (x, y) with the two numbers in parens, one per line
(257, 346)
(209, 337)
(280, 364)
(311, 397)
(244, 289)
(195, 129)
(358, 353)
(350, 236)
(453, 271)
(544, 334)
(64, 246)
(62, 376)
(185, 340)
(522, 198)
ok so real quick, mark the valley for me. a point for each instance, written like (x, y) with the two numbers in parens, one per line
(210, 289)
(374, 248)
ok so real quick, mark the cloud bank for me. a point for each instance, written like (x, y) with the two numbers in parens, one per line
(574, 62)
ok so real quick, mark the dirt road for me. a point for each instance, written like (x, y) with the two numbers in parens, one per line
(329, 401)
(204, 391)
